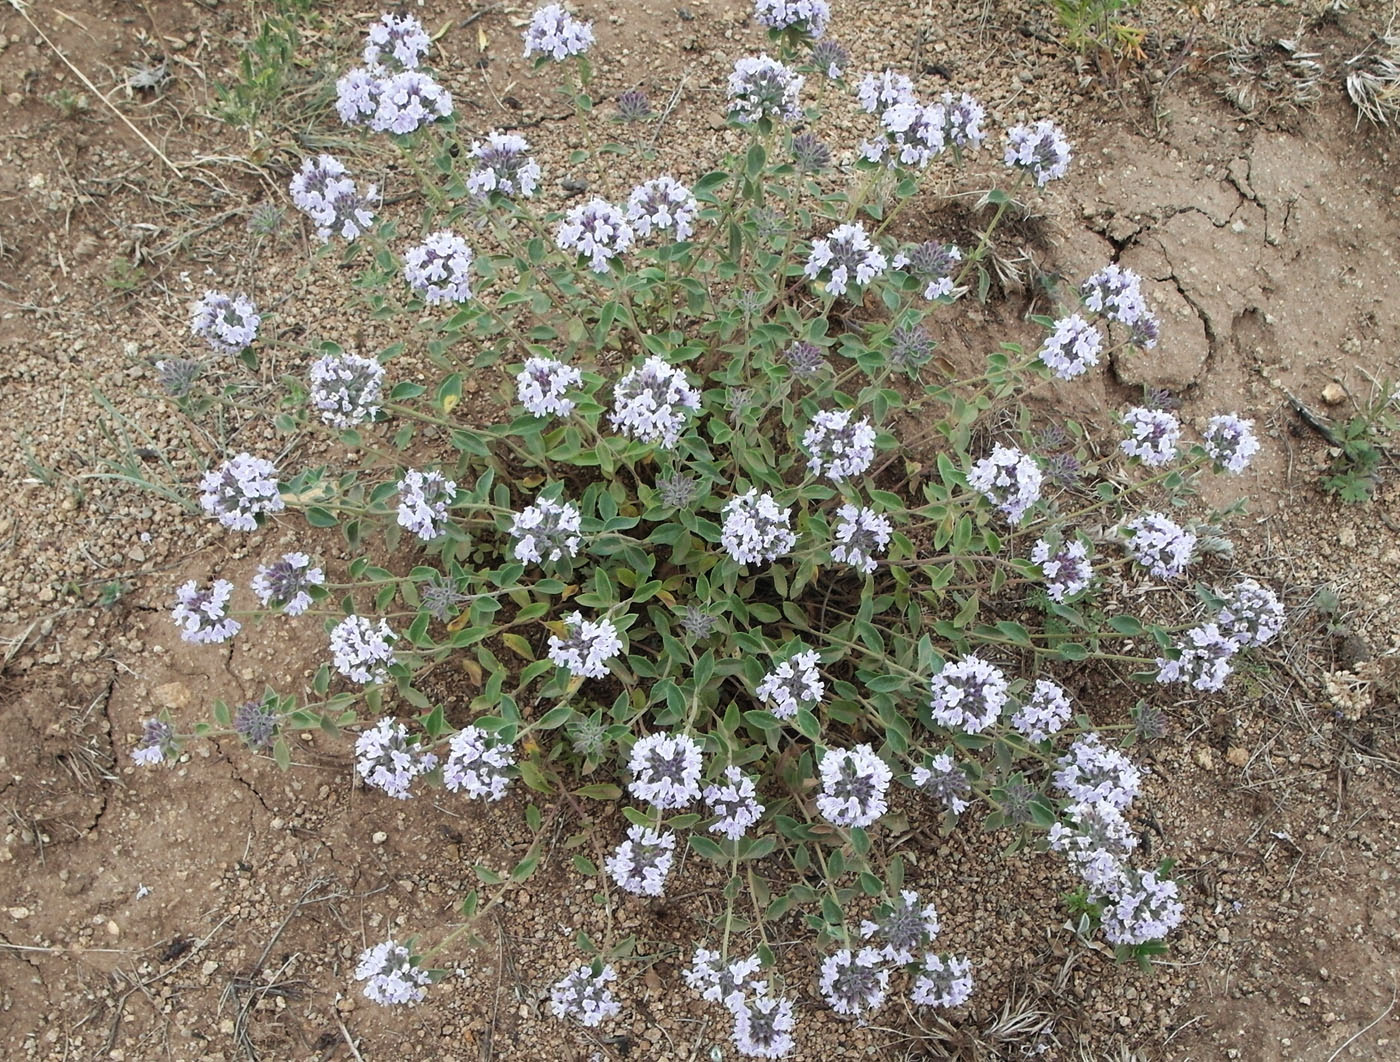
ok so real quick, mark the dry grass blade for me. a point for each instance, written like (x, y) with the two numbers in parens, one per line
(1373, 83)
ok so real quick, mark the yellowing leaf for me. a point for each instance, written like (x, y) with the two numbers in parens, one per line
(480, 39)
(456, 623)
(449, 402)
(474, 671)
(519, 645)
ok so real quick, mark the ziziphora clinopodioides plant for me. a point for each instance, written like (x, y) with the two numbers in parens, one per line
(732, 598)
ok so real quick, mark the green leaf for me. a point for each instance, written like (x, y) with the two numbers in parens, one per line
(708, 848)
(1128, 625)
(600, 791)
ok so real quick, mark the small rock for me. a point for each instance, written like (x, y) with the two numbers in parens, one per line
(172, 695)
(379, 837)
(1334, 394)
(1237, 757)
(1204, 759)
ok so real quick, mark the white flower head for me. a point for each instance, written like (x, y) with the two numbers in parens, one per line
(854, 784)
(542, 384)
(854, 983)
(588, 646)
(846, 256)
(795, 683)
(651, 402)
(839, 446)
(756, 529)
(665, 770)
(642, 862)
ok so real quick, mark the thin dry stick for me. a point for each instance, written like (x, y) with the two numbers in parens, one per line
(22, 8)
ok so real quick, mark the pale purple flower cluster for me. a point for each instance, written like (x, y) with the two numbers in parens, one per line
(1096, 841)
(1230, 442)
(362, 651)
(228, 323)
(546, 531)
(854, 784)
(641, 863)
(325, 192)
(1141, 906)
(734, 804)
(1044, 712)
(942, 981)
(806, 16)
(763, 1025)
(1041, 150)
(555, 34)
(201, 613)
(761, 87)
(968, 695)
(239, 491)
(1009, 479)
(478, 764)
(1116, 293)
(793, 684)
(1066, 567)
(439, 268)
(1160, 545)
(396, 42)
(665, 770)
(503, 165)
(423, 501)
(388, 760)
(1203, 659)
(932, 263)
(962, 121)
(1253, 614)
(595, 230)
(587, 648)
(399, 103)
(1091, 771)
(584, 996)
(662, 206)
(542, 384)
(878, 92)
(904, 927)
(846, 256)
(717, 983)
(256, 722)
(391, 975)
(286, 583)
(943, 780)
(854, 983)
(650, 403)
(1152, 435)
(838, 446)
(862, 534)
(157, 743)
(1073, 348)
(756, 529)
(345, 389)
(913, 134)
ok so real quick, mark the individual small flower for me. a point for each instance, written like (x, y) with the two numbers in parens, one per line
(546, 531)
(1009, 479)
(878, 92)
(1252, 615)
(285, 584)
(804, 359)
(838, 446)
(357, 96)
(362, 652)
(1116, 293)
(239, 491)
(1203, 659)
(662, 206)
(408, 101)
(388, 760)
(1067, 570)
(156, 745)
(478, 764)
(854, 982)
(1045, 711)
(396, 42)
(1152, 435)
(423, 501)
(256, 722)
(1072, 349)
(809, 17)
(861, 535)
(588, 647)
(556, 34)
(793, 684)
(697, 623)
(1160, 545)
(177, 376)
(584, 996)
(677, 490)
(1096, 841)
(324, 192)
(1091, 771)
(963, 117)
(810, 154)
(942, 981)
(345, 389)
(830, 58)
(1230, 442)
(392, 975)
(633, 106)
(756, 529)
(439, 269)
(904, 926)
(642, 862)
(761, 87)
(650, 403)
(718, 983)
(503, 164)
(968, 695)
(1041, 150)
(734, 803)
(932, 263)
(201, 613)
(665, 770)
(1141, 908)
(542, 384)
(945, 782)
(228, 323)
(763, 1025)
(595, 230)
(844, 257)
(854, 784)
